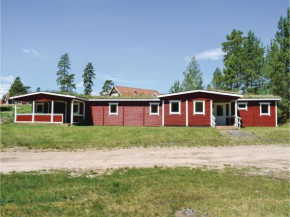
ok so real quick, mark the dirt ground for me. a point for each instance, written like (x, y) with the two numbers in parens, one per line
(273, 158)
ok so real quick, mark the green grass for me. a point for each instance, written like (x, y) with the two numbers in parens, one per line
(75, 137)
(270, 135)
(143, 192)
(78, 137)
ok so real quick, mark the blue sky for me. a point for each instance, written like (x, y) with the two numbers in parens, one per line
(135, 43)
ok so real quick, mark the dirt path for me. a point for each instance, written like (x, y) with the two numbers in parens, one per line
(269, 157)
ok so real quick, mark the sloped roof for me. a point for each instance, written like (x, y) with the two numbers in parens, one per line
(133, 91)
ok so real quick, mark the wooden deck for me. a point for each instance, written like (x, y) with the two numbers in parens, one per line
(226, 128)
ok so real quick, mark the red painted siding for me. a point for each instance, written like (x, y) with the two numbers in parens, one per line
(57, 118)
(24, 118)
(129, 114)
(42, 118)
(251, 117)
(198, 119)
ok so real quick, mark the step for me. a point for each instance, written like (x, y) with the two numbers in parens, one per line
(226, 128)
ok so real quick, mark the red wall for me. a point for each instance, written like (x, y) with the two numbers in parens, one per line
(193, 120)
(129, 114)
(251, 117)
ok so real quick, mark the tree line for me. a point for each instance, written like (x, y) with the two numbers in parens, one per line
(249, 67)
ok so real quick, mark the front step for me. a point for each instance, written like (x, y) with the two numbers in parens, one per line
(226, 128)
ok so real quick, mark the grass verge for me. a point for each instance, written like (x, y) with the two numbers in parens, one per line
(143, 192)
(77, 137)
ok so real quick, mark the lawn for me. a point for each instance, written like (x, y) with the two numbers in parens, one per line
(75, 137)
(143, 192)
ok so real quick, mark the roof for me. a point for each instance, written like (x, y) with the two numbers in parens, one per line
(133, 91)
(203, 91)
(259, 98)
(48, 93)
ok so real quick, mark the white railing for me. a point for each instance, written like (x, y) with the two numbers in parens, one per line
(35, 116)
(238, 122)
(213, 121)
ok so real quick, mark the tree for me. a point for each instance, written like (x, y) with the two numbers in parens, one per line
(88, 77)
(253, 60)
(233, 60)
(277, 66)
(192, 76)
(38, 89)
(218, 79)
(17, 88)
(65, 80)
(108, 85)
(176, 87)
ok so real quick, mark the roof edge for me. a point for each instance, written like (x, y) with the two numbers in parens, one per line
(203, 91)
(48, 93)
(260, 99)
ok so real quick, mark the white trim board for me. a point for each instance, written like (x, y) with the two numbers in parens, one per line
(201, 91)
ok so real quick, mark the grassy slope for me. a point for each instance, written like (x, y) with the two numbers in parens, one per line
(144, 192)
(49, 136)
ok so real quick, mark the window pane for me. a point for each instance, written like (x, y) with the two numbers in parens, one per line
(265, 109)
(219, 110)
(227, 110)
(154, 109)
(175, 107)
(242, 105)
(39, 108)
(76, 108)
(198, 107)
(113, 109)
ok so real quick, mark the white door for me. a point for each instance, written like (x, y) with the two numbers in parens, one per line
(220, 114)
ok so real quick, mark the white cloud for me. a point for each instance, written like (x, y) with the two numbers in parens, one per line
(8, 79)
(95, 94)
(212, 54)
(4, 89)
(34, 53)
(80, 84)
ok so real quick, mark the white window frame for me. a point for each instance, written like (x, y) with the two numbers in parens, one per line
(152, 103)
(179, 106)
(194, 106)
(269, 108)
(246, 108)
(36, 104)
(117, 108)
(78, 105)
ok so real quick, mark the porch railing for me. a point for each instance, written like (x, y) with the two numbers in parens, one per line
(213, 121)
(38, 118)
(238, 122)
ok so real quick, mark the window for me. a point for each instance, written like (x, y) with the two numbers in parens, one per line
(174, 107)
(113, 108)
(76, 108)
(39, 108)
(154, 108)
(243, 106)
(264, 108)
(198, 108)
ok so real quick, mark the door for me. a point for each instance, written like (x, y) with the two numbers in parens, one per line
(220, 114)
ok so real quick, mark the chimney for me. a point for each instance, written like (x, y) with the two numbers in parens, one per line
(7, 97)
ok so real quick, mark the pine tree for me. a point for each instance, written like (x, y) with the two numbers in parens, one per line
(108, 85)
(218, 79)
(176, 87)
(17, 88)
(38, 89)
(192, 76)
(253, 60)
(88, 77)
(65, 80)
(233, 60)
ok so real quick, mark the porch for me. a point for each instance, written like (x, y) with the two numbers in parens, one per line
(51, 109)
(225, 115)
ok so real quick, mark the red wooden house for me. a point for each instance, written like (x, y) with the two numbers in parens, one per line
(190, 108)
